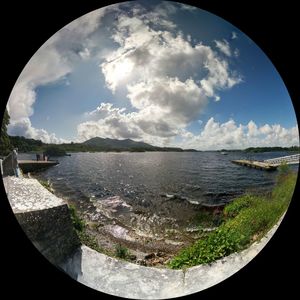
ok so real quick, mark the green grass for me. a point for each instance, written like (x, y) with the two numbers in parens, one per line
(89, 241)
(121, 251)
(246, 219)
(206, 219)
(81, 230)
(78, 223)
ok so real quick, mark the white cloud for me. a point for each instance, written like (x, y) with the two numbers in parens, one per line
(229, 135)
(234, 35)
(109, 121)
(85, 54)
(160, 70)
(187, 7)
(23, 127)
(52, 62)
(170, 99)
(223, 46)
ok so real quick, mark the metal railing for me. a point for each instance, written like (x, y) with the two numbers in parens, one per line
(290, 159)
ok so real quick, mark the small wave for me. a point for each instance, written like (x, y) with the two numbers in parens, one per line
(193, 201)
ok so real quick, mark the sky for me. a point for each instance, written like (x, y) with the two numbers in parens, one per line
(164, 73)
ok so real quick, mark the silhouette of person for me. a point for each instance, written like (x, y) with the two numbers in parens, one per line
(15, 164)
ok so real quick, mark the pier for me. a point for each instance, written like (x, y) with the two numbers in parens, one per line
(269, 164)
(255, 164)
(35, 165)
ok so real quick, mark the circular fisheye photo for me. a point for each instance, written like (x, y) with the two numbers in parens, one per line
(149, 150)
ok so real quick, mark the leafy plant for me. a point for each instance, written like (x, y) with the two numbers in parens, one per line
(78, 223)
(121, 251)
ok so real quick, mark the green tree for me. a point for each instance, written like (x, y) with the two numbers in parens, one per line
(5, 145)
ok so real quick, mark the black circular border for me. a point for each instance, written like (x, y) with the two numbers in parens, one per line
(26, 26)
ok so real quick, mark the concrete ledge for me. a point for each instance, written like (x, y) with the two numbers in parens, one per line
(26, 195)
(44, 218)
(128, 280)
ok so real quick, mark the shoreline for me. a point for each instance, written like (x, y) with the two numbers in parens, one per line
(107, 231)
(145, 249)
(149, 239)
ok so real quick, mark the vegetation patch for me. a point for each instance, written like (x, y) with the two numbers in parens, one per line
(81, 230)
(246, 219)
(78, 223)
(208, 219)
(121, 251)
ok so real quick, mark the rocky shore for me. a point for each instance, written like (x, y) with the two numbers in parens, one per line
(151, 239)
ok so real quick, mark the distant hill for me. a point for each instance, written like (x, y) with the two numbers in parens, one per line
(272, 149)
(107, 143)
(96, 144)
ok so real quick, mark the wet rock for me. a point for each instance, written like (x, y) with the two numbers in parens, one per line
(141, 262)
(160, 254)
(132, 257)
(149, 256)
(112, 206)
(174, 243)
(209, 229)
(192, 229)
(118, 232)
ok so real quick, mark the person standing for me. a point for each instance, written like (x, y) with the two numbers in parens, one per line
(15, 164)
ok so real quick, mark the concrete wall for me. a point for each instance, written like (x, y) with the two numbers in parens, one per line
(51, 231)
(44, 218)
(7, 166)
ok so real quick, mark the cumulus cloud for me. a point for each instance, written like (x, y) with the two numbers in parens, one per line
(148, 53)
(24, 128)
(113, 122)
(187, 7)
(168, 79)
(109, 121)
(223, 46)
(229, 135)
(170, 99)
(52, 62)
(163, 108)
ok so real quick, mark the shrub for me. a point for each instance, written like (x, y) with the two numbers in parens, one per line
(121, 251)
(232, 209)
(89, 241)
(283, 169)
(77, 222)
(208, 219)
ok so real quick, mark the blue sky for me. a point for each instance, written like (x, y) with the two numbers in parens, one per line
(160, 72)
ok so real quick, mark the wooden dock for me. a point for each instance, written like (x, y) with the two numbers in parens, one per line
(35, 165)
(255, 164)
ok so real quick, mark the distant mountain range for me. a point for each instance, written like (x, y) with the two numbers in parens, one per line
(128, 145)
(96, 144)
